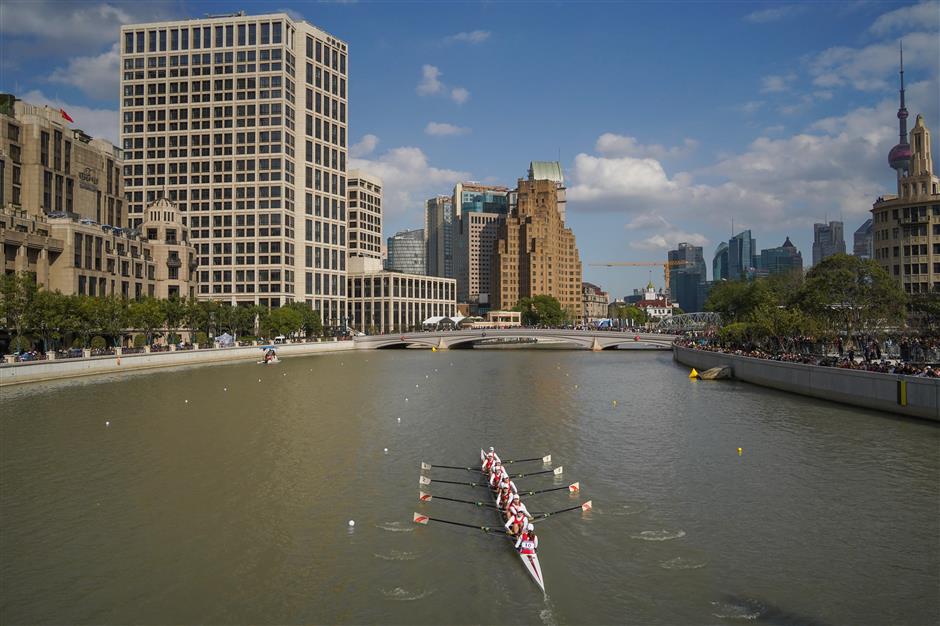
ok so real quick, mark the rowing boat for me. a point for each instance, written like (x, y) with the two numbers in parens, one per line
(529, 561)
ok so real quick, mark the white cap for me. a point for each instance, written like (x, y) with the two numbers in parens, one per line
(530, 527)
(515, 497)
(491, 448)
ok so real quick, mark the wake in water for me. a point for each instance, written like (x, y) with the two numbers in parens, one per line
(547, 615)
(681, 562)
(750, 609)
(395, 527)
(397, 555)
(659, 535)
(403, 595)
(629, 509)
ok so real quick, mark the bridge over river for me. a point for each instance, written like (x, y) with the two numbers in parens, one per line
(588, 339)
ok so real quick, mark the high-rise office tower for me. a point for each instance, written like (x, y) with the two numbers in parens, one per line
(406, 252)
(720, 262)
(478, 208)
(828, 239)
(536, 253)
(439, 236)
(863, 240)
(684, 279)
(241, 121)
(781, 260)
(741, 252)
(364, 193)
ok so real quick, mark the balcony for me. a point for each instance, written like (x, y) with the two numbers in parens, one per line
(174, 262)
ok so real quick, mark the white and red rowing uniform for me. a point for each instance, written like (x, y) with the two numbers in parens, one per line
(518, 519)
(527, 543)
(495, 478)
(516, 506)
(505, 496)
(489, 460)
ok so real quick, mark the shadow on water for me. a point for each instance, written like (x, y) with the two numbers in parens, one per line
(739, 608)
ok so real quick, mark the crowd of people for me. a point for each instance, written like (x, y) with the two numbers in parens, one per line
(911, 356)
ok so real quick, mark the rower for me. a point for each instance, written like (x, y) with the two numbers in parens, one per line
(496, 475)
(504, 496)
(517, 523)
(527, 543)
(515, 505)
(488, 461)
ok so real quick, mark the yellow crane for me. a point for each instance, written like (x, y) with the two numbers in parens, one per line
(666, 265)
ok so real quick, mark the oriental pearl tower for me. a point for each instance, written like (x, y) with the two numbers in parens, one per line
(900, 156)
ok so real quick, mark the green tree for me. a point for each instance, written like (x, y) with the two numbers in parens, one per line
(284, 321)
(541, 310)
(174, 312)
(46, 317)
(310, 324)
(17, 292)
(146, 314)
(851, 295)
(737, 300)
(634, 313)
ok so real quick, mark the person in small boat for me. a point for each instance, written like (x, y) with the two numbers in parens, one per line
(504, 495)
(489, 460)
(528, 542)
(514, 505)
(517, 523)
(496, 475)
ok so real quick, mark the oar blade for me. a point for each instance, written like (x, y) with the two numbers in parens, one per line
(574, 487)
(547, 458)
(586, 506)
(558, 470)
(424, 480)
(425, 497)
(421, 519)
(425, 466)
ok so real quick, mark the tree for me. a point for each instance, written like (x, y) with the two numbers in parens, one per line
(634, 313)
(147, 315)
(541, 310)
(851, 294)
(310, 324)
(45, 317)
(17, 292)
(284, 321)
(737, 300)
(174, 312)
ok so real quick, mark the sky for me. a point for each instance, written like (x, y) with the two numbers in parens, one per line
(672, 120)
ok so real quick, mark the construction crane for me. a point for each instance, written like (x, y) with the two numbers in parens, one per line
(666, 265)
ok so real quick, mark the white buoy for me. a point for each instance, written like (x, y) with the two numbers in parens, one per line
(224, 388)
(352, 523)
(399, 420)
(426, 376)
(416, 386)
(386, 450)
(406, 399)
(259, 380)
(109, 423)
(186, 401)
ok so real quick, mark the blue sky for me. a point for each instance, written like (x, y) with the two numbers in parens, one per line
(670, 119)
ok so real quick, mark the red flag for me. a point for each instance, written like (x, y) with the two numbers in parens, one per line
(65, 115)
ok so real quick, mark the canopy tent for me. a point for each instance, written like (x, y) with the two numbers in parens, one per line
(225, 340)
(443, 320)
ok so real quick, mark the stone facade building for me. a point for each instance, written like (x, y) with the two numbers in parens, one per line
(62, 214)
(364, 192)
(381, 301)
(596, 301)
(241, 121)
(474, 254)
(535, 252)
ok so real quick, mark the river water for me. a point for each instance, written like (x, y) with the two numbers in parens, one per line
(221, 495)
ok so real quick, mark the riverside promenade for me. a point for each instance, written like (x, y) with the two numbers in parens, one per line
(910, 396)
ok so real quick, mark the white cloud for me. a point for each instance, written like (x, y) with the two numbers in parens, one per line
(101, 123)
(772, 14)
(439, 129)
(297, 16)
(776, 83)
(621, 182)
(365, 146)
(611, 144)
(459, 95)
(430, 81)
(750, 107)
(98, 76)
(471, 37)
(665, 237)
(409, 178)
(923, 15)
(874, 67)
(430, 84)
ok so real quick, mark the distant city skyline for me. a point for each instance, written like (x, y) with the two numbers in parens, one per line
(789, 124)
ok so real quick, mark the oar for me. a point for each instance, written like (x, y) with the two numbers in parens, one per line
(428, 466)
(544, 459)
(584, 507)
(424, 480)
(558, 470)
(424, 519)
(573, 487)
(426, 497)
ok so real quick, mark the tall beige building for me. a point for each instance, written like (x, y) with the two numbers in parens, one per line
(535, 252)
(241, 121)
(62, 214)
(906, 238)
(474, 253)
(364, 193)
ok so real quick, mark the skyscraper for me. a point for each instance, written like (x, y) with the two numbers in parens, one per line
(241, 121)
(364, 203)
(684, 279)
(781, 260)
(720, 262)
(862, 247)
(536, 253)
(907, 225)
(474, 252)
(439, 228)
(828, 239)
(406, 252)
(741, 251)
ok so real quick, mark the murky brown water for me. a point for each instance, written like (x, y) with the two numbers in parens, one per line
(232, 508)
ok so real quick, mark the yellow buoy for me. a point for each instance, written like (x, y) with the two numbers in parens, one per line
(615, 403)
(693, 373)
(739, 451)
(433, 349)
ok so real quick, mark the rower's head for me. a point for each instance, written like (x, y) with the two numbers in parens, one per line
(515, 498)
(491, 449)
(530, 528)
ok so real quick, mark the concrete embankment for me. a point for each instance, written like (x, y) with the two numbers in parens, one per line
(902, 395)
(38, 371)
